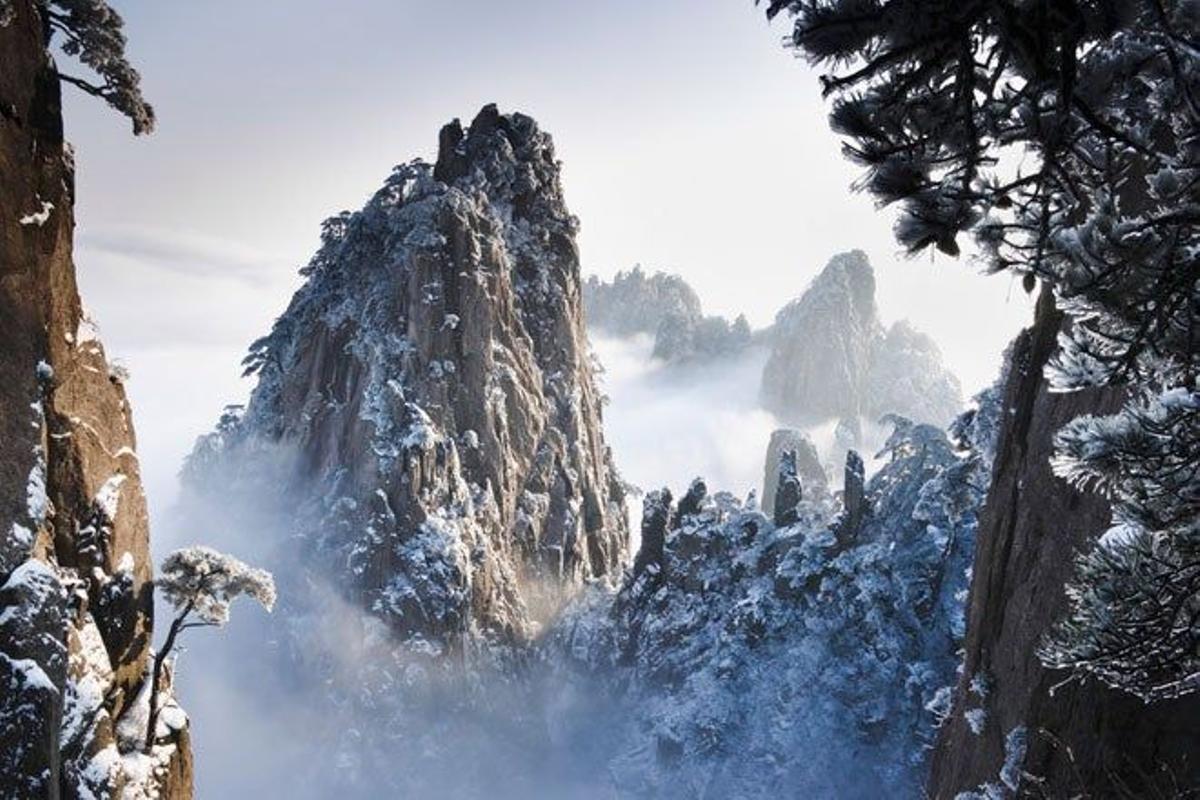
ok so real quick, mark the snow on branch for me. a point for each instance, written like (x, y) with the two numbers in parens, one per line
(203, 581)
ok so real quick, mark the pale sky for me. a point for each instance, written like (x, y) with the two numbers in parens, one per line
(691, 142)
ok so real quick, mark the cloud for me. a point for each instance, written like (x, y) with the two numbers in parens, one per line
(155, 289)
(186, 253)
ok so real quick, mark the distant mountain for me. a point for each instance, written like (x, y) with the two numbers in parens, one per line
(666, 307)
(830, 356)
(634, 302)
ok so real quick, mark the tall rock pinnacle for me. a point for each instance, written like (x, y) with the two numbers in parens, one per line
(432, 386)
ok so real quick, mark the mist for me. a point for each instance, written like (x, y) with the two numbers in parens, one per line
(670, 424)
(319, 699)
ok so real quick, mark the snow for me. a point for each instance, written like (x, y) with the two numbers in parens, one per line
(38, 218)
(422, 433)
(32, 575)
(36, 502)
(208, 581)
(976, 719)
(173, 717)
(1179, 398)
(1015, 745)
(131, 727)
(89, 680)
(100, 771)
(988, 791)
(33, 675)
(1118, 536)
(108, 497)
(22, 535)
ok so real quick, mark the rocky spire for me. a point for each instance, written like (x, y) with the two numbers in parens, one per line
(853, 499)
(808, 465)
(656, 513)
(691, 502)
(788, 491)
(432, 382)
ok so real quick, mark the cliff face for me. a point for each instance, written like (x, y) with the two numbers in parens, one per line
(809, 469)
(1023, 729)
(832, 358)
(75, 592)
(431, 387)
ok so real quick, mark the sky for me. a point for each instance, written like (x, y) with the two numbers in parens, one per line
(691, 140)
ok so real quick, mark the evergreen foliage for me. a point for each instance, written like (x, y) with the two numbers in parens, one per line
(93, 32)
(1064, 135)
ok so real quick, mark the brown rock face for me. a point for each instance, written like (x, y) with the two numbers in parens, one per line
(431, 391)
(1081, 740)
(75, 592)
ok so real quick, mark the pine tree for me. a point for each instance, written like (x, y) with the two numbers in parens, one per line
(200, 583)
(92, 32)
(1064, 135)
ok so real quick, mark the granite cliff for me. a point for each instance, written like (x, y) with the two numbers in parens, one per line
(76, 607)
(832, 358)
(430, 390)
(1032, 732)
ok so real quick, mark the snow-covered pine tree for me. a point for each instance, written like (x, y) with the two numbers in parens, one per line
(92, 32)
(200, 583)
(1065, 136)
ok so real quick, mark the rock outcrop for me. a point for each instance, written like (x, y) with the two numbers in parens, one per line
(431, 388)
(1018, 729)
(831, 357)
(75, 573)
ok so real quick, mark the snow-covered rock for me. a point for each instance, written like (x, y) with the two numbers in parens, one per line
(431, 388)
(634, 302)
(752, 660)
(809, 468)
(75, 571)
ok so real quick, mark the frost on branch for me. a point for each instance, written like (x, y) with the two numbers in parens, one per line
(1136, 598)
(202, 581)
(94, 33)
